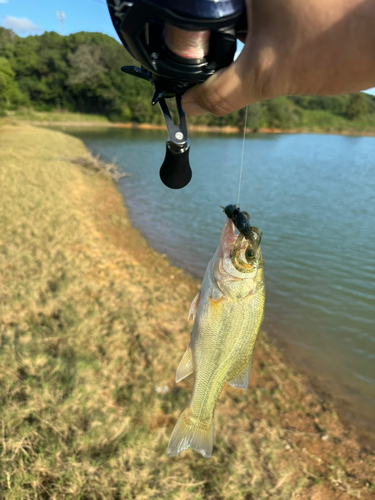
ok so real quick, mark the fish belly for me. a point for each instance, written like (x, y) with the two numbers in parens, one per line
(222, 350)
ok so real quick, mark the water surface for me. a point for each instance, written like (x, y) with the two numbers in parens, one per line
(313, 196)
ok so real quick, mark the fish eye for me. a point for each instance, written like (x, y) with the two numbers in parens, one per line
(249, 254)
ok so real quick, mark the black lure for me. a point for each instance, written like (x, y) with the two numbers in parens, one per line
(242, 221)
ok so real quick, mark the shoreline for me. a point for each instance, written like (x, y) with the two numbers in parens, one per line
(198, 128)
(323, 385)
(114, 311)
(326, 387)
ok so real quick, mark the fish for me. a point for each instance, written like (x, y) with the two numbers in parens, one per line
(227, 312)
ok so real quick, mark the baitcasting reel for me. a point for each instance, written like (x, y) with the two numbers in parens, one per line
(178, 43)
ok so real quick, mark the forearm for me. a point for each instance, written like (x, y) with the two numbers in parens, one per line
(322, 47)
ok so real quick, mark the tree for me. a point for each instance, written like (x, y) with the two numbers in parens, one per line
(7, 39)
(10, 94)
(335, 104)
(281, 113)
(87, 64)
(81, 72)
(357, 106)
(255, 116)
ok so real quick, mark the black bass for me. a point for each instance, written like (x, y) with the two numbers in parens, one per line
(227, 313)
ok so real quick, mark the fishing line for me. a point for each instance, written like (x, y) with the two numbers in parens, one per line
(187, 44)
(243, 149)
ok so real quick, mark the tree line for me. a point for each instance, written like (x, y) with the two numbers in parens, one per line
(81, 72)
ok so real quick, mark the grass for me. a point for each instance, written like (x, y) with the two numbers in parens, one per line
(309, 121)
(324, 121)
(92, 328)
(29, 114)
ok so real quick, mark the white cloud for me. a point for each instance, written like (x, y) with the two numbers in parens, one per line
(3, 1)
(20, 25)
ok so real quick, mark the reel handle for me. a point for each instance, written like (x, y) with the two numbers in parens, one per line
(175, 171)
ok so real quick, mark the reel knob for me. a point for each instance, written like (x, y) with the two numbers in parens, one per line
(175, 171)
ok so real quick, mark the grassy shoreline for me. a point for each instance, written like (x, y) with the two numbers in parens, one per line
(202, 128)
(93, 326)
(49, 119)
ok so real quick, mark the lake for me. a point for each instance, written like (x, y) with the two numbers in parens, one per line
(313, 196)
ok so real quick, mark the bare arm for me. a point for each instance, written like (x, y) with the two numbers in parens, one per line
(294, 47)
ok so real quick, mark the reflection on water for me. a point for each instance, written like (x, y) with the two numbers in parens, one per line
(313, 196)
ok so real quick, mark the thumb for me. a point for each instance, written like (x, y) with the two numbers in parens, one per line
(221, 94)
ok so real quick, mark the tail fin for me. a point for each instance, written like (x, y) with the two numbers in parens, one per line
(192, 433)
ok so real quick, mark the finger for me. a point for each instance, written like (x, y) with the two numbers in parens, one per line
(221, 94)
(227, 90)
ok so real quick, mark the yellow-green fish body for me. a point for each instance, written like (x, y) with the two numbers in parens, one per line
(228, 313)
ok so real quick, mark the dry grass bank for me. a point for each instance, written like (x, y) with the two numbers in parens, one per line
(92, 328)
(315, 122)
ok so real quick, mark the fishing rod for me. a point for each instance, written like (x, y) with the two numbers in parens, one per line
(178, 44)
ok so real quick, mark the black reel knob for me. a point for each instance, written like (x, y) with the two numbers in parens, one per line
(175, 172)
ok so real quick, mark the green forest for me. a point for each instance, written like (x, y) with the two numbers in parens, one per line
(81, 73)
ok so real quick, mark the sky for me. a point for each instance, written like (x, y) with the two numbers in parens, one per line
(32, 17)
(27, 17)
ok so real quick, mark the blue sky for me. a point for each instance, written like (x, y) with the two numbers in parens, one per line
(35, 16)
(27, 17)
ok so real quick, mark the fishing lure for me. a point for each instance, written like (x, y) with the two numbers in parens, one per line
(243, 256)
(241, 220)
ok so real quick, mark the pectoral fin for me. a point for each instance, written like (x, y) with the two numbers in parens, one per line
(186, 365)
(194, 306)
(242, 379)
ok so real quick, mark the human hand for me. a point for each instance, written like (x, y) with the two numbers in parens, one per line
(294, 47)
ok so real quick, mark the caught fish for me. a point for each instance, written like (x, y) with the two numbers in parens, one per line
(227, 313)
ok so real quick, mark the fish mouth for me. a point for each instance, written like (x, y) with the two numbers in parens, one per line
(227, 239)
(226, 268)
